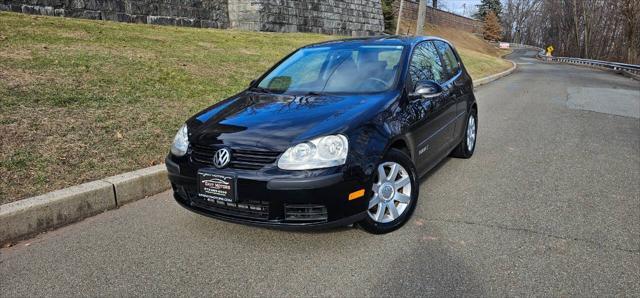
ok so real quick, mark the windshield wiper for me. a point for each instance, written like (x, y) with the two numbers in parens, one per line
(261, 89)
(314, 93)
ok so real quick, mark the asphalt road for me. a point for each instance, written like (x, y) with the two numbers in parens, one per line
(549, 205)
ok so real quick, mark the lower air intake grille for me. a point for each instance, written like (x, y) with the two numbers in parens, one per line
(249, 209)
(305, 212)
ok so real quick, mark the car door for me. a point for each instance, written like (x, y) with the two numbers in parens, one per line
(456, 83)
(429, 131)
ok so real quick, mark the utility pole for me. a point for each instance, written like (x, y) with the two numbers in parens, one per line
(399, 17)
(422, 11)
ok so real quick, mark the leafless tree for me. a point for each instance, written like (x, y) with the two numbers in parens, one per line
(517, 13)
(595, 29)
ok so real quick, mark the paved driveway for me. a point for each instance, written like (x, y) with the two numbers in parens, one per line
(549, 205)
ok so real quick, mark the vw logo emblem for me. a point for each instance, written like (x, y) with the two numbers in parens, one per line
(221, 158)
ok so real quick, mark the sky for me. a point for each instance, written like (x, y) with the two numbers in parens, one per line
(457, 6)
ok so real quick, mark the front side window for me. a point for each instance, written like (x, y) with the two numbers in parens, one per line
(336, 69)
(449, 59)
(426, 64)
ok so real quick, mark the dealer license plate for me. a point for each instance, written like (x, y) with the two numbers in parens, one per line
(216, 186)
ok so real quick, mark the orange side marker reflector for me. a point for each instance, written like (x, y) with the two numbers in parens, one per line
(356, 194)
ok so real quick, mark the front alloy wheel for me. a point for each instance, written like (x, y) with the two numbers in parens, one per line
(391, 193)
(394, 193)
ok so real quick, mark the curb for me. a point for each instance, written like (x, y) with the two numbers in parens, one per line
(631, 75)
(54, 209)
(27, 217)
(136, 185)
(494, 77)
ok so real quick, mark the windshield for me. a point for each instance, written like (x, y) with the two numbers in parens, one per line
(361, 69)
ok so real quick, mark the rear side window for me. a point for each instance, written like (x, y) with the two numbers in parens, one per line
(449, 58)
(426, 64)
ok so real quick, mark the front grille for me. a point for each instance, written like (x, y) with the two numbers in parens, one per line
(248, 209)
(252, 159)
(305, 212)
(240, 159)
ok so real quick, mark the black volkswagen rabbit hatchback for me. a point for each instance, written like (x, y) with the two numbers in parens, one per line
(335, 133)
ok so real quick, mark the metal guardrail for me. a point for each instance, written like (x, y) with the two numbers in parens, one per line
(615, 66)
(631, 68)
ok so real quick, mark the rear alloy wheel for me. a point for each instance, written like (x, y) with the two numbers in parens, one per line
(394, 194)
(468, 144)
(471, 133)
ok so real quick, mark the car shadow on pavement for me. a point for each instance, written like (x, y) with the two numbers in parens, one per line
(430, 265)
(427, 259)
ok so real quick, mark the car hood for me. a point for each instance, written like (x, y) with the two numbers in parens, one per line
(276, 122)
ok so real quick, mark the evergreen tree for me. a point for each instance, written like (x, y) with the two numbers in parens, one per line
(389, 18)
(492, 28)
(488, 5)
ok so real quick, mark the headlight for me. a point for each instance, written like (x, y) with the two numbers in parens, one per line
(323, 152)
(180, 142)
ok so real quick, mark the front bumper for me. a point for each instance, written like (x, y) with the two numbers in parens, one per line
(307, 201)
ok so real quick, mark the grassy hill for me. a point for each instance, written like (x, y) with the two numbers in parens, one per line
(82, 100)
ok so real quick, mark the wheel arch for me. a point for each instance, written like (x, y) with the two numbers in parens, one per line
(403, 144)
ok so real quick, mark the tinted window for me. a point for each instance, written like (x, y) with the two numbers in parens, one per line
(426, 64)
(367, 68)
(449, 58)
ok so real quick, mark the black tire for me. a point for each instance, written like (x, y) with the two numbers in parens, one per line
(370, 225)
(463, 150)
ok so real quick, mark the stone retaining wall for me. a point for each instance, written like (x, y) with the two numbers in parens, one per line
(344, 17)
(192, 13)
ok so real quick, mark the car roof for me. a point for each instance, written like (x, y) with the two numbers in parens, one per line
(377, 40)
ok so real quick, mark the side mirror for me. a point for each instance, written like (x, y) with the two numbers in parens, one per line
(426, 89)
